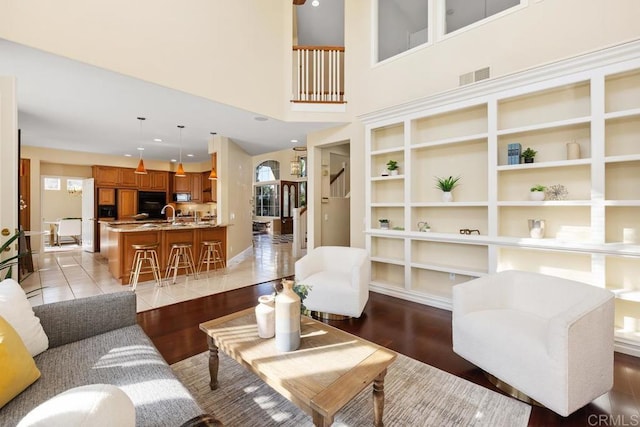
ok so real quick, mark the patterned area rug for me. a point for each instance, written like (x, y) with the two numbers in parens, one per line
(416, 394)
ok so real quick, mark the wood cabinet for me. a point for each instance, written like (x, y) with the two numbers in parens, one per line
(196, 187)
(106, 176)
(153, 180)
(182, 184)
(127, 177)
(591, 235)
(107, 196)
(127, 203)
(209, 188)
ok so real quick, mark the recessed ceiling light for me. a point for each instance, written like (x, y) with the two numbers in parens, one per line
(140, 149)
(173, 160)
(294, 140)
(189, 155)
(315, 3)
(157, 140)
(260, 118)
(127, 155)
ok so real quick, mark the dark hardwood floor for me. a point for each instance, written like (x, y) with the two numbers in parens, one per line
(415, 330)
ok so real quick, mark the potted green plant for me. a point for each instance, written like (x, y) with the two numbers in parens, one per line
(8, 263)
(446, 185)
(384, 223)
(528, 155)
(392, 167)
(536, 193)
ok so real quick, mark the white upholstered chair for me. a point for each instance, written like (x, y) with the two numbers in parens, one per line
(70, 227)
(548, 337)
(339, 278)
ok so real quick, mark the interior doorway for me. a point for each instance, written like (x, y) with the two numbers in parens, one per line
(289, 200)
(335, 229)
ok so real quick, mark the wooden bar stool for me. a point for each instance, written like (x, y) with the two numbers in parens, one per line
(180, 256)
(145, 253)
(211, 254)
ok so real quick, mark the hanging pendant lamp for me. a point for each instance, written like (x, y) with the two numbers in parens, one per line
(213, 174)
(140, 170)
(180, 171)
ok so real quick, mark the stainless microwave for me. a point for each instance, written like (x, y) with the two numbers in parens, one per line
(181, 197)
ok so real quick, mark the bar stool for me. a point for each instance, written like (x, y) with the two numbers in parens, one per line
(145, 253)
(180, 256)
(211, 254)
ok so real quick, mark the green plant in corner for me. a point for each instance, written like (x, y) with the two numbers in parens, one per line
(392, 165)
(302, 291)
(447, 184)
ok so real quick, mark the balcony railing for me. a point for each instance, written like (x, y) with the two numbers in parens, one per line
(318, 74)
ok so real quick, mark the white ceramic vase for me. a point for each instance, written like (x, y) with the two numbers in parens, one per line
(447, 196)
(536, 228)
(393, 172)
(287, 318)
(266, 316)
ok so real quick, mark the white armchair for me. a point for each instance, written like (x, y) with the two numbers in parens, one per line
(339, 278)
(548, 337)
(70, 227)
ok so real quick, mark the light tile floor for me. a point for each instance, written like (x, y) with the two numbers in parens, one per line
(61, 276)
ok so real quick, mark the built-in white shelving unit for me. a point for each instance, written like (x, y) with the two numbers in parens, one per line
(593, 235)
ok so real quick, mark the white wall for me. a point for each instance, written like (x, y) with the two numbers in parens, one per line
(8, 157)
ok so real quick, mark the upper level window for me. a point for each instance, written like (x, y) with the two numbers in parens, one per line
(268, 170)
(402, 25)
(462, 13)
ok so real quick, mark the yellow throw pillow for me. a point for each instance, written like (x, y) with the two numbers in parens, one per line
(19, 370)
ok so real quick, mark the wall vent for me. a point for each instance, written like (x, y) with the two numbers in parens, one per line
(475, 76)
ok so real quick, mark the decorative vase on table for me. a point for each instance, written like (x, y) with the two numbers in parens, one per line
(266, 316)
(287, 318)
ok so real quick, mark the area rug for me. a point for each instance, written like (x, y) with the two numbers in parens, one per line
(416, 394)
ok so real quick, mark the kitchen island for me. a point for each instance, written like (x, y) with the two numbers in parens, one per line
(116, 238)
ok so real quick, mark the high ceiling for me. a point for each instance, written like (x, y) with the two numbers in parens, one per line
(66, 104)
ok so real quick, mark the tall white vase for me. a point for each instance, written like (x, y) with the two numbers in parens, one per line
(287, 318)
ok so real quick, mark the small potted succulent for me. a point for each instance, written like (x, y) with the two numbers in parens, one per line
(536, 193)
(528, 155)
(384, 223)
(446, 185)
(392, 167)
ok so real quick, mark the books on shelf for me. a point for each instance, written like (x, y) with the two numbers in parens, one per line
(513, 153)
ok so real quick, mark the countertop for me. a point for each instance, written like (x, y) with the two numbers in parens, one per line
(136, 226)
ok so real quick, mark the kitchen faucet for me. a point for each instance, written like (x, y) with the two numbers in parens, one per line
(173, 218)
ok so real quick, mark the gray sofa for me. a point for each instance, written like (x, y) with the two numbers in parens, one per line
(96, 340)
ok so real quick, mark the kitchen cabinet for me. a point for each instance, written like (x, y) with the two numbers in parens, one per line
(182, 184)
(107, 196)
(127, 177)
(196, 187)
(153, 180)
(209, 189)
(127, 203)
(106, 176)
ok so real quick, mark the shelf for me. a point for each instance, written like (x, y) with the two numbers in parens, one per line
(554, 164)
(447, 141)
(622, 203)
(546, 203)
(387, 151)
(546, 126)
(632, 295)
(387, 205)
(387, 178)
(387, 260)
(620, 159)
(448, 204)
(450, 269)
(635, 112)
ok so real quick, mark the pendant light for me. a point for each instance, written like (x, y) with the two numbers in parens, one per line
(213, 175)
(180, 172)
(140, 170)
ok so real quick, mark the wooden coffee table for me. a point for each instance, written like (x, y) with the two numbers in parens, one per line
(328, 370)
